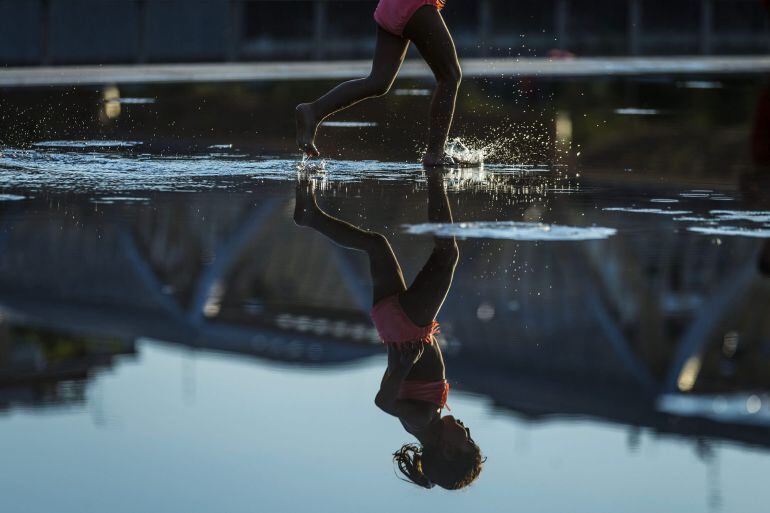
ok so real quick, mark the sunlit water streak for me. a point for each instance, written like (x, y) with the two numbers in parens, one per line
(134, 101)
(634, 111)
(656, 211)
(349, 124)
(11, 197)
(126, 171)
(87, 144)
(512, 230)
(737, 231)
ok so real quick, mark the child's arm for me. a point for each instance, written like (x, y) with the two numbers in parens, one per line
(387, 398)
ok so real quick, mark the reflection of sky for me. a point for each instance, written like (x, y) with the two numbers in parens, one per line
(197, 432)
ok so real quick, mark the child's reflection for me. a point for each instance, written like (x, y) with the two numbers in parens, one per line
(755, 185)
(414, 387)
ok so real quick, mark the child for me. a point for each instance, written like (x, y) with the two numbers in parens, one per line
(398, 23)
(414, 387)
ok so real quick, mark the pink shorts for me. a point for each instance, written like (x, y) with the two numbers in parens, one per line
(394, 327)
(393, 15)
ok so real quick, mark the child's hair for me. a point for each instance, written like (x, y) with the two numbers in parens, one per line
(451, 473)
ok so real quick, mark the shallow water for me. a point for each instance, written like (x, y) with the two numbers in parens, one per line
(170, 339)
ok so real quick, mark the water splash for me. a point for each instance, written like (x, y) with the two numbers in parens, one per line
(463, 155)
(309, 166)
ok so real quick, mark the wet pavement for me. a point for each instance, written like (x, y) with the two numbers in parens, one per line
(170, 339)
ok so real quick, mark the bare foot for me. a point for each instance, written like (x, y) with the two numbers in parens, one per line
(306, 128)
(304, 203)
(437, 160)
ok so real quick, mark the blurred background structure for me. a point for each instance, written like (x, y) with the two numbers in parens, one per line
(45, 32)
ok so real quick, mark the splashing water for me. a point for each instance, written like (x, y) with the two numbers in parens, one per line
(464, 156)
(308, 166)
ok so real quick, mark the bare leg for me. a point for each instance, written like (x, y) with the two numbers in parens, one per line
(387, 278)
(427, 30)
(389, 53)
(425, 296)
(764, 259)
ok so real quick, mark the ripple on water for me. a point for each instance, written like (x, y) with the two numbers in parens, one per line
(511, 230)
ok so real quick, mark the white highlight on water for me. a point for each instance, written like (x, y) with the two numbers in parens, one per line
(134, 101)
(11, 197)
(700, 84)
(694, 219)
(511, 230)
(736, 231)
(664, 200)
(633, 111)
(412, 92)
(754, 216)
(656, 211)
(349, 124)
(87, 144)
(113, 199)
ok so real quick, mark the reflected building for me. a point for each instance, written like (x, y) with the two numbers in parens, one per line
(611, 329)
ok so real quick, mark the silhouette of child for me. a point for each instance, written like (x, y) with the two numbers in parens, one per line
(398, 23)
(414, 387)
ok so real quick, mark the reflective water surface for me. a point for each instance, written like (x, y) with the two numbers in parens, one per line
(171, 340)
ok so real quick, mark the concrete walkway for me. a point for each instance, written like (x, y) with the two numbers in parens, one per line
(232, 72)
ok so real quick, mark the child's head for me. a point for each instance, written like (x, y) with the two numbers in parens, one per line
(452, 462)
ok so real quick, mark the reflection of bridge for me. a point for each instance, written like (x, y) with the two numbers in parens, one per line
(598, 329)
